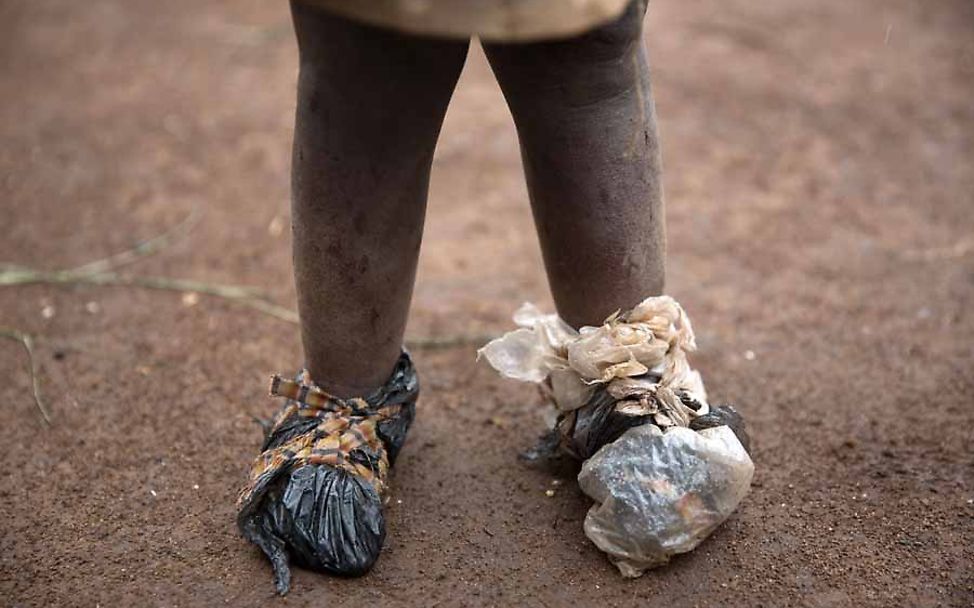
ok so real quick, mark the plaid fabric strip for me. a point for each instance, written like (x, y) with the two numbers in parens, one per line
(345, 437)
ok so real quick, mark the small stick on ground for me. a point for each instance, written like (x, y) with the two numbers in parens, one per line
(955, 251)
(15, 274)
(102, 272)
(247, 296)
(28, 343)
(448, 341)
(142, 249)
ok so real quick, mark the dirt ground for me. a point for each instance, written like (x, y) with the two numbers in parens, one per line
(820, 185)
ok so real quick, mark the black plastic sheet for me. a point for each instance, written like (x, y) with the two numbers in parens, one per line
(321, 517)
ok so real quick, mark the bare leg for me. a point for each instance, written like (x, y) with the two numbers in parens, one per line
(370, 106)
(587, 126)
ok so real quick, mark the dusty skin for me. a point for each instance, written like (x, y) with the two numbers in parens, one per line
(818, 171)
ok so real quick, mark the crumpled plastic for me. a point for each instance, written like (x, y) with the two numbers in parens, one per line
(648, 342)
(322, 516)
(663, 466)
(659, 493)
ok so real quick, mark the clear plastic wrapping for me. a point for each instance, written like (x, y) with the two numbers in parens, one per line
(663, 467)
(660, 493)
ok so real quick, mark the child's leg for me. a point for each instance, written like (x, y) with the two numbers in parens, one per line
(585, 118)
(370, 105)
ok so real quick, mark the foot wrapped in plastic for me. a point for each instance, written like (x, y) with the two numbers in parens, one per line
(314, 495)
(663, 466)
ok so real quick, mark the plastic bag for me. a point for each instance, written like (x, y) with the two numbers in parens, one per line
(660, 493)
(663, 466)
(650, 341)
(315, 492)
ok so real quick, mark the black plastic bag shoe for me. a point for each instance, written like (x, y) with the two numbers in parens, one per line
(315, 492)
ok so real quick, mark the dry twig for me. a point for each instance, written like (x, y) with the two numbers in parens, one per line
(28, 343)
(951, 252)
(103, 272)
